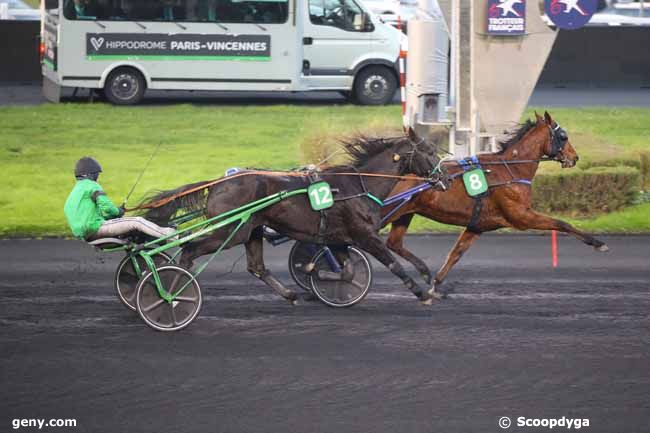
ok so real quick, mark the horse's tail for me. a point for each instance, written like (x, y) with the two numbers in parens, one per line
(161, 206)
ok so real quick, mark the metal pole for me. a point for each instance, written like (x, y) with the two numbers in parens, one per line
(641, 8)
(453, 73)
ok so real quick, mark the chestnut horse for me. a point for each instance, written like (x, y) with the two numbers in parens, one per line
(507, 203)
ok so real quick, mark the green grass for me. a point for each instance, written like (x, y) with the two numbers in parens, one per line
(39, 146)
(602, 135)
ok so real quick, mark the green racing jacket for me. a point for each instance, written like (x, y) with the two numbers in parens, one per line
(87, 207)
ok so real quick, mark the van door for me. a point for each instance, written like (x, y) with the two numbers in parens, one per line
(336, 38)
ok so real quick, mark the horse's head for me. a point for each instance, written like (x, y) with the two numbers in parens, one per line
(558, 146)
(398, 155)
(416, 155)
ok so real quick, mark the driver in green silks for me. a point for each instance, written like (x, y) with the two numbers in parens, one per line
(91, 214)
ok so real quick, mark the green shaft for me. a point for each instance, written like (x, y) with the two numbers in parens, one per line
(241, 214)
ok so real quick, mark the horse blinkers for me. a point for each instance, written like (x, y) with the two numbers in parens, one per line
(559, 139)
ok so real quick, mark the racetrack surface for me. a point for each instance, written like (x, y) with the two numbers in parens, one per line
(515, 338)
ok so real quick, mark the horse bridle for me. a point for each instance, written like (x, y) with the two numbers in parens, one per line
(437, 176)
(559, 139)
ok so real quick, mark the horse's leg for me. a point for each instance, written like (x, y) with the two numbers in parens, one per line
(210, 244)
(342, 256)
(395, 243)
(528, 219)
(255, 259)
(464, 241)
(195, 249)
(373, 244)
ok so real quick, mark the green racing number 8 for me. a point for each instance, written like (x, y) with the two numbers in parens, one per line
(475, 182)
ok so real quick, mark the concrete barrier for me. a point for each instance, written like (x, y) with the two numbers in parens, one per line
(19, 55)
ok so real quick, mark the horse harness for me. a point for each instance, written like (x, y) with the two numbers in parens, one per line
(559, 139)
(313, 176)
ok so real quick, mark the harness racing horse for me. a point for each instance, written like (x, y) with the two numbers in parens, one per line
(507, 203)
(353, 219)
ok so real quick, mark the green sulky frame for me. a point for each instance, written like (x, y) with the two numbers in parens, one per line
(239, 215)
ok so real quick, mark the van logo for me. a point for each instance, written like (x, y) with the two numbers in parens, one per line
(97, 43)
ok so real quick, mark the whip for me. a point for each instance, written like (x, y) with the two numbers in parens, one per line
(141, 173)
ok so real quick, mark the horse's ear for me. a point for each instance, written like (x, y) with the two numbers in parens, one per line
(538, 117)
(548, 118)
(411, 134)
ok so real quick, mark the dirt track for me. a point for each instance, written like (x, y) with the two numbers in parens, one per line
(516, 338)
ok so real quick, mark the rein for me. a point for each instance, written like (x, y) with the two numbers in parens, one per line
(507, 162)
(208, 184)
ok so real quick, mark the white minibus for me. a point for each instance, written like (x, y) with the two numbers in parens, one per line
(124, 47)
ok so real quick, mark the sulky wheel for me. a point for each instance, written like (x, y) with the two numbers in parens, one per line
(160, 314)
(345, 288)
(126, 277)
(300, 255)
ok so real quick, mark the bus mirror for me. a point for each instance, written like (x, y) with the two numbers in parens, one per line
(363, 23)
(359, 22)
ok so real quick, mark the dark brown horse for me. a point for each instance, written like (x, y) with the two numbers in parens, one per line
(506, 204)
(353, 219)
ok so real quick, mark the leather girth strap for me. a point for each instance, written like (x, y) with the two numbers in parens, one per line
(476, 215)
(314, 177)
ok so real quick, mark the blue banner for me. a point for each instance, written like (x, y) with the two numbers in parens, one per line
(570, 14)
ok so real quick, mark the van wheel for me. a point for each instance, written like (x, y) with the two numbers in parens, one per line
(375, 85)
(124, 86)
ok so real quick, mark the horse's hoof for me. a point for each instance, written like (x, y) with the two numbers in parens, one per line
(435, 294)
(427, 302)
(603, 248)
(291, 298)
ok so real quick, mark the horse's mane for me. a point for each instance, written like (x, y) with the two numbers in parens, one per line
(515, 135)
(361, 148)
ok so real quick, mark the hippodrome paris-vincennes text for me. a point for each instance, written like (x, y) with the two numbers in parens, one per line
(188, 45)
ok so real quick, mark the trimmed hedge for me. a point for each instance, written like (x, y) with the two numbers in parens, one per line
(645, 170)
(581, 192)
(611, 162)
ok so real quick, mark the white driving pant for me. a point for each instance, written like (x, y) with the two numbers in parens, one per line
(122, 226)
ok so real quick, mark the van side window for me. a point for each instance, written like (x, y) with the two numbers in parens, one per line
(344, 14)
(222, 11)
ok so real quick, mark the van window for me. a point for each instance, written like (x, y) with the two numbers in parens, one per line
(344, 14)
(222, 11)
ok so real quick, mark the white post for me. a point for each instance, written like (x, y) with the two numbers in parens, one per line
(4, 11)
